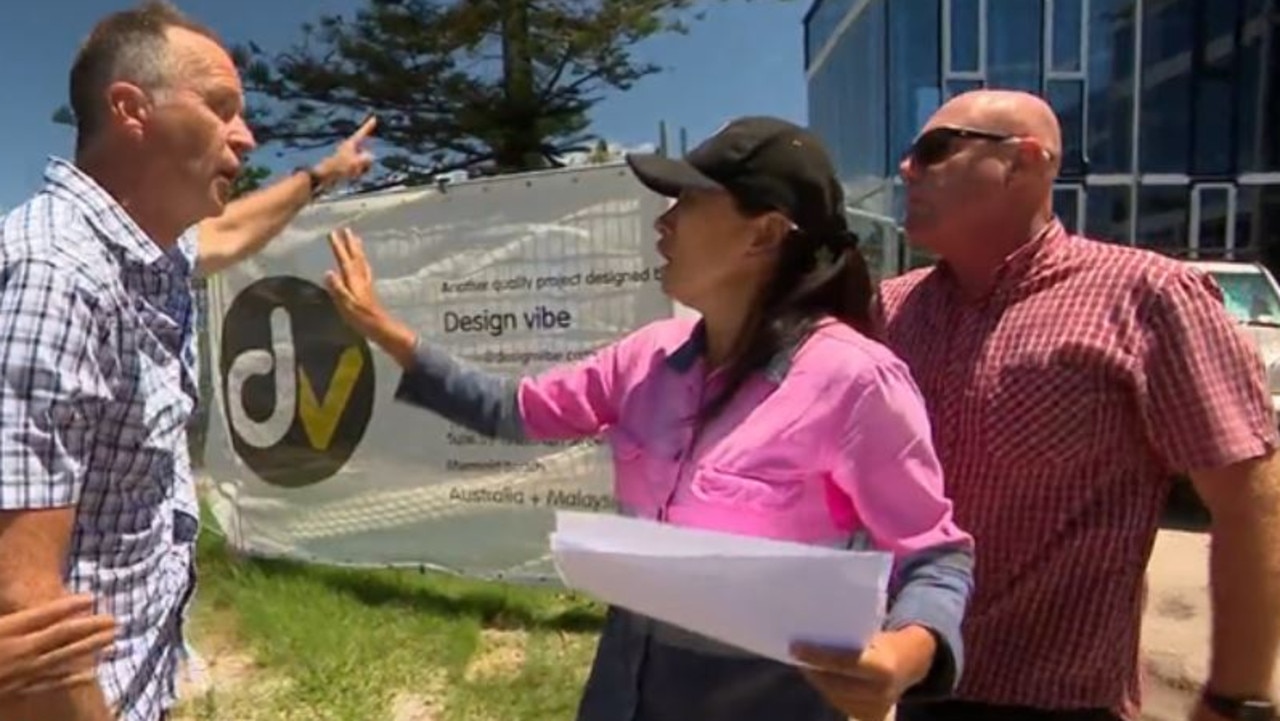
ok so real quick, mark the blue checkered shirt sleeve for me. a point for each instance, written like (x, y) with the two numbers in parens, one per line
(52, 388)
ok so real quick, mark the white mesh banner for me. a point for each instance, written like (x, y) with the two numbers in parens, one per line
(309, 454)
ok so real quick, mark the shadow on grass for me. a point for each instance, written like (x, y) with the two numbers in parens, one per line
(494, 609)
(494, 604)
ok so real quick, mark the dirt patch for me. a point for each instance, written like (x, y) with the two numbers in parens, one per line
(500, 655)
(575, 646)
(222, 672)
(225, 682)
(415, 707)
(239, 691)
(220, 664)
(424, 704)
(576, 652)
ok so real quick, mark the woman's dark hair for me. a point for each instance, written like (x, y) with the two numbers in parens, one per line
(820, 272)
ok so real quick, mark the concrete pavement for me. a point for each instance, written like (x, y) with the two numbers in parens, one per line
(1176, 626)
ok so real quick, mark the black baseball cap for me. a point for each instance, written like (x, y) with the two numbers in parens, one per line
(764, 162)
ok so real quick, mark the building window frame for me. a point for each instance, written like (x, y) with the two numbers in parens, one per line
(1165, 179)
(1193, 232)
(1077, 165)
(891, 252)
(1081, 75)
(1249, 244)
(1135, 138)
(1259, 178)
(1126, 180)
(1161, 181)
(1259, 25)
(967, 78)
(1152, 180)
(824, 53)
(1081, 199)
(1050, 37)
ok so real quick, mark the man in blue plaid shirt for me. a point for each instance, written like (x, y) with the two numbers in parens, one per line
(97, 369)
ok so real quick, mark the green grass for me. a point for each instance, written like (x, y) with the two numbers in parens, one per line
(293, 641)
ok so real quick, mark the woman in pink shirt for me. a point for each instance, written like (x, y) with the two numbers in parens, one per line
(777, 414)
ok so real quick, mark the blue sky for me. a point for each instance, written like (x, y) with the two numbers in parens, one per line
(744, 57)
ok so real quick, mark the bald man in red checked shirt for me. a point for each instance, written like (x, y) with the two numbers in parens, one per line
(1068, 381)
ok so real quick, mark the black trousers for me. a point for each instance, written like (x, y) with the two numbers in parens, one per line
(970, 711)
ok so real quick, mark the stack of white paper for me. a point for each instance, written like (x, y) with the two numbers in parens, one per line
(757, 594)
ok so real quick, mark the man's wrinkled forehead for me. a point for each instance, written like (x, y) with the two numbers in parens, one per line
(201, 58)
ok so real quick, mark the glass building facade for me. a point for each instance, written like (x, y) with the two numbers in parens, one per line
(1170, 108)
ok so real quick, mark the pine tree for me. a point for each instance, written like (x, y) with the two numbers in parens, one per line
(489, 86)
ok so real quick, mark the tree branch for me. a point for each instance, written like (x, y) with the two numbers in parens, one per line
(434, 73)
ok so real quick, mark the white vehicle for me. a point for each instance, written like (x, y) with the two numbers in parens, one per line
(1252, 297)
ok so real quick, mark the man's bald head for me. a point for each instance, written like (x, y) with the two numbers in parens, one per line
(1011, 112)
(982, 169)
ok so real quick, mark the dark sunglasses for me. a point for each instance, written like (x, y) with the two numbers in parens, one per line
(938, 144)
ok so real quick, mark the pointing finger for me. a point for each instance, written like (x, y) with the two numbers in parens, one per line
(365, 130)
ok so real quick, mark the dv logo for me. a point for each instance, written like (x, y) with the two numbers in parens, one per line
(298, 384)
